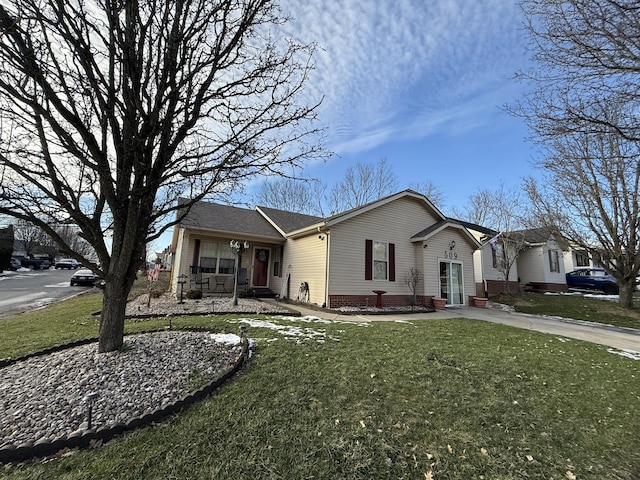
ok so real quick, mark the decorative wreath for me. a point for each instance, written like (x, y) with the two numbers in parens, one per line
(261, 255)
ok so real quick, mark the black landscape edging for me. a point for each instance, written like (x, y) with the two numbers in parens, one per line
(10, 453)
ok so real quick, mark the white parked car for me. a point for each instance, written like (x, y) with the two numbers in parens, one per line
(84, 277)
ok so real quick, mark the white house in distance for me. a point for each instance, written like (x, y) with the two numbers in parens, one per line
(347, 259)
(541, 266)
(489, 275)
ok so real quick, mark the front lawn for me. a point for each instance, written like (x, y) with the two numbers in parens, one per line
(575, 306)
(431, 399)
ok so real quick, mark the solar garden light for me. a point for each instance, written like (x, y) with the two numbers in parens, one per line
(182, 279)
(90, 399)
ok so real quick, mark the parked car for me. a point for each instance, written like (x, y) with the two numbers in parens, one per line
(14, 264)
(592, 279)
(84, 277)
(46, 263)
(30, 263)
(69, 263)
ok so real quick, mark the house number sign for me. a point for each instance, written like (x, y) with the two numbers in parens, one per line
(450, 254)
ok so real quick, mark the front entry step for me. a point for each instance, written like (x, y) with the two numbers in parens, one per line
(262, 292)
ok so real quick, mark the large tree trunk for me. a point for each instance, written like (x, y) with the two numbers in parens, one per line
(112, 319)
(626, 294)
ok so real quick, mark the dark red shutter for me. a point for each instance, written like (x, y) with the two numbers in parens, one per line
(368, 259)
(196, 253)
(392, 262)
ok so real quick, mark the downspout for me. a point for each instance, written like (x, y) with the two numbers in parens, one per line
(322, 231)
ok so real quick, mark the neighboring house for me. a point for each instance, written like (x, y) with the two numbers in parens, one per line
(339, 261)
(489, 273)
(577, 258)
(541, 265)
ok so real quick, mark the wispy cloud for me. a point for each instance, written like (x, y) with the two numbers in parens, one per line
(407, 68)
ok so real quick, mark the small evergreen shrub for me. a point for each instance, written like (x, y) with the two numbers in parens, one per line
(194, 294)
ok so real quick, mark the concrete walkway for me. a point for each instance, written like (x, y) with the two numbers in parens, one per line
(610, 336)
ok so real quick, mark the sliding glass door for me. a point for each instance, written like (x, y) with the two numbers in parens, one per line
(451, 284)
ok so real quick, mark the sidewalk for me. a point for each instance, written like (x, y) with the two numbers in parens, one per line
(607, 335)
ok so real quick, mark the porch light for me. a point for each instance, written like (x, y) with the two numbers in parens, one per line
(238, 249)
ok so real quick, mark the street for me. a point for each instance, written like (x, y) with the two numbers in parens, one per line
(21, 291)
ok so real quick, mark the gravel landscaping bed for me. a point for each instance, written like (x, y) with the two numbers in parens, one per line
(44, 397)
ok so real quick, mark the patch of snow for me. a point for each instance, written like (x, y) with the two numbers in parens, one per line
(288, 331)
(226, 338)
(611, 298)
(306, 319)
(625, 352)
(57, 285)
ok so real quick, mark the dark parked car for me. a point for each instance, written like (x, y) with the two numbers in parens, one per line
(84, 277)
(69, 263)
(30, 263)
(592, 279)
(14, 264)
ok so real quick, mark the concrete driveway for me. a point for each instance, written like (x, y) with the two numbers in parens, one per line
(620, 338)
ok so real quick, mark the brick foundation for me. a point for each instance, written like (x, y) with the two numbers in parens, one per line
(496, 287)
(545, 287)
(337, 301)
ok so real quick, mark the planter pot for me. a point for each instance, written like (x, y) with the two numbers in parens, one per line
(439, 303)
(479, 302)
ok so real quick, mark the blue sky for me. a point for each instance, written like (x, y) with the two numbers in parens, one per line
(420, 83)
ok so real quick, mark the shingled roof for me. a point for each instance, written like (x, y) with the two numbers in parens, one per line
(227, 219)
(289, 221)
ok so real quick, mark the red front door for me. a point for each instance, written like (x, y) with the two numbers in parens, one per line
(260, 267)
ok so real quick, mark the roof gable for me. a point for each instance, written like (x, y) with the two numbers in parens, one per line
(346, 215)
(538, 235)
(442, 225)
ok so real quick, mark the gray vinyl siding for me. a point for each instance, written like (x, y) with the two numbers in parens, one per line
(438, 249)
(304, 260)
(394, 222)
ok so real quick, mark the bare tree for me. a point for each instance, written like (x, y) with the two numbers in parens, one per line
(592, 193)
(110, 111)
(30, 236)
(412, 279)
(504, 211)
(583, 110)
(477, 208)
(429, 190)
(363, 184)
(290, 194)
(586, 57)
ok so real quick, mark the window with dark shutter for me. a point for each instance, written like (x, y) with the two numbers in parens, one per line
(368, 259)
(392, 262)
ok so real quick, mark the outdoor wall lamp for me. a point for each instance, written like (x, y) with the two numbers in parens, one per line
(239, 248)
(452, 244)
